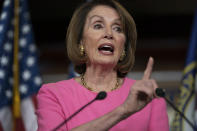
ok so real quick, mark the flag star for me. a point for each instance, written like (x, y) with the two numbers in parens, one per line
(7, 2)
(2, 74)
(30, 61)
(23, 42)
(26, 75)
(10, 34)
(25, 29)
(32, 47)
(8, 47)
(3, 15)
(23, 88)
(1, 28)
(38, 80)
(4, 60)
(8, 93)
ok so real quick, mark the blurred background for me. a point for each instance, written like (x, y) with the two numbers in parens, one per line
(164, 29)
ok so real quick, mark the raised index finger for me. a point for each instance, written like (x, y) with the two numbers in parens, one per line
(148, 70)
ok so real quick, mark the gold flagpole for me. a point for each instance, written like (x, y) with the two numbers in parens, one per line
(16, 95)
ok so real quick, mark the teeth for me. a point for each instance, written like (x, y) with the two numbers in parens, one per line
(106, 48)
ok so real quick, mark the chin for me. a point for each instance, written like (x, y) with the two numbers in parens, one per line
(106, 62)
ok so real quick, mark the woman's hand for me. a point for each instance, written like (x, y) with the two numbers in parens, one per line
(142, 92)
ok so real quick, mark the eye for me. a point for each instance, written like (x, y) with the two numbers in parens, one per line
(98, 26)
(118, 29)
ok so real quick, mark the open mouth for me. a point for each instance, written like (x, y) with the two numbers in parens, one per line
(106, 48)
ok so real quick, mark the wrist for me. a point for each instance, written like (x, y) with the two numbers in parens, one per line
(126, 111)
(123, 112)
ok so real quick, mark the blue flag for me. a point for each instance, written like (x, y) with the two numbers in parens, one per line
(29, 77)
(186, 102)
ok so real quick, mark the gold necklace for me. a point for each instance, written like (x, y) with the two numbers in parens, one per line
(89, 88)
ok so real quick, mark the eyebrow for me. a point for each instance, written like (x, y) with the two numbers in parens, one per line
(118, 19)
(90, 19)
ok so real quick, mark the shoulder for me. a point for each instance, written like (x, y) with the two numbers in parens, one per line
(60, 85)
(56, 89)
(51, 103)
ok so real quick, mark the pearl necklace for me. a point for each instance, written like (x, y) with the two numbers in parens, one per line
(89, 88)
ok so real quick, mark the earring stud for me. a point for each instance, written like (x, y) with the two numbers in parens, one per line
(82, 50)
(122, 55)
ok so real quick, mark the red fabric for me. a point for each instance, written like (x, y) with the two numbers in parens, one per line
(19, 125)
(1, 129)
(35, 101)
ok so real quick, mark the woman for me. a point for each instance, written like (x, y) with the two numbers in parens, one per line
(101, 42)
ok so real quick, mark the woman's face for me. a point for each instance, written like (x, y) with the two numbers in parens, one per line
(103, 36)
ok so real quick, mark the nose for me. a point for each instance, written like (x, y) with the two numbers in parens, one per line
(108, 34)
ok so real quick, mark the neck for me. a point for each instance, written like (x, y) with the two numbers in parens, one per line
(100, 78)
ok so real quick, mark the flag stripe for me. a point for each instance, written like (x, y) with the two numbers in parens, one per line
(28, 114)
(6, 118)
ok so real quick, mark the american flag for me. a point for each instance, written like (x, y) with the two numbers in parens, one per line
(29, 77)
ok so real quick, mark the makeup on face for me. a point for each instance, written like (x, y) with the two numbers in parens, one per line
(103, 37)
